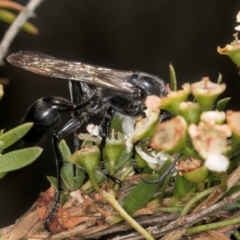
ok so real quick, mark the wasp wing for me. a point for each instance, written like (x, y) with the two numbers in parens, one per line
(59, 68)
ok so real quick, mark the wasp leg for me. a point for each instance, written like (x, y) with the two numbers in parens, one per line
(133, 160)
(70, 127)
(79, 92)
(81, 96)
(177, 157)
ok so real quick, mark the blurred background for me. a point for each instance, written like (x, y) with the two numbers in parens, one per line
(128, 35)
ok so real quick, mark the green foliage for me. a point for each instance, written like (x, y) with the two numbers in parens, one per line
(182, 188)
(16, 159)
(72, 176)
(141, 194)
(173, 78)
(221, 104)
(13, 135)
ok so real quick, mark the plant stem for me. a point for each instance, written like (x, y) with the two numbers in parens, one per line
(94, 182)
(224, 178)
(201, 186)
(16, 25)
(114, 203)
(211, 226)
(194, 200)
(112, 168)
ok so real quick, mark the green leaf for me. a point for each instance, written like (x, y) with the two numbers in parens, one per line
(221, 104)
(67, 171)
(182, 188)
(13, 135)
(19, 159)
(124, 160)
(53, 182)
(141, 194)
(67, 175)
(80, 177)
(220, 78)
(9, 17)
(173, 79)
(65, 151)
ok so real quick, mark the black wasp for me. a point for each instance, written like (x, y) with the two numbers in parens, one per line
(94, 90)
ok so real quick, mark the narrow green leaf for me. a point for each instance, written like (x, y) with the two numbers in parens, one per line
(53, 182)
(182, 188)
(141, 194)
(19, 158)
(80, 177)
(65, 151)
(9, 17)
(221, 104)
(173, 79)
(13, 135)
(220, 78)
(67, 175)
(67, 171)
(124, 160)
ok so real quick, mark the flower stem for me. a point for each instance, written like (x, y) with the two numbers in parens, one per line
(224, 179)
(94, 182)
(112, 168)
(123, 176)
(114, 203)
(201, 186)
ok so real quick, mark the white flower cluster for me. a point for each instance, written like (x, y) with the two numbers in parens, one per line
(209, 138)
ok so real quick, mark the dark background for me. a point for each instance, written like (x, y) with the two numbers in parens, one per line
(129, 35)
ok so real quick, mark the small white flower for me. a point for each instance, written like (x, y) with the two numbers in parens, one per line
(238, 20)
(145, 156)
(217, 162)
(93, 130)
(209, 139)
(92, 135)
(153, 159)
